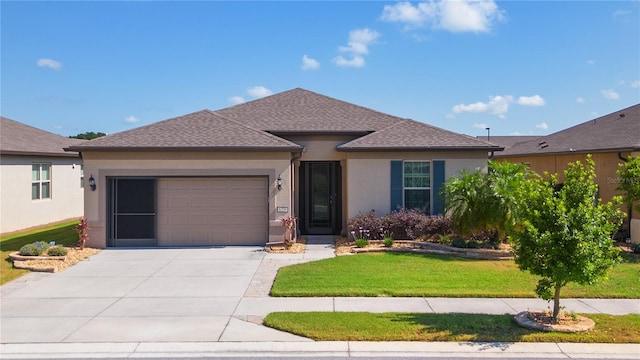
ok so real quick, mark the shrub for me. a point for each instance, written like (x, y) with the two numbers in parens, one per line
(42, 245)
(405, 223)
(362, 243)
(366, 222)
(459, 243)
(31, 250)
(57, 251)
(388, 242)
(472, 244)
(435, 225)
(445, 239)
(636, 248)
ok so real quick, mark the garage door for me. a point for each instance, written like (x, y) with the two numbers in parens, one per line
(212, 211)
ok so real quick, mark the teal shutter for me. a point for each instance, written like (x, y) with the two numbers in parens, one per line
(438, 182)
(396, 185)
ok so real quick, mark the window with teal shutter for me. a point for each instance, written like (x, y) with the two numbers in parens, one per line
(396, 185)
(438, 182)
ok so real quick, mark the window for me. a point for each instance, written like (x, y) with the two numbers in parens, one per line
(40, 181)
(417, 185)
(82, 176)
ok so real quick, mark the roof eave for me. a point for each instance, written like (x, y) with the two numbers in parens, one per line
(69, 153)
(419, 148)
(185, 149)
(586, 151)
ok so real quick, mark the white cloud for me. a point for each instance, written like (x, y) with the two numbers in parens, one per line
(635, 84)
(49, 63)
(591, 62)
(542, 126)
(535, 100)
(580, 100)
(621, 13)
(610, 94)
(236, 100)
(357, 46)
(449, 15)
(356, 61)
(309, 63)
(497, 105)
(259, 91)
(131, 119)
(480, 126)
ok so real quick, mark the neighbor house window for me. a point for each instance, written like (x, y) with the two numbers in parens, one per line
(417, 185)
(82, 176)
(40, 181)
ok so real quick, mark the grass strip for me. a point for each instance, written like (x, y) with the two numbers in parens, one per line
(363, 326)
(419, 275)
(63, 233)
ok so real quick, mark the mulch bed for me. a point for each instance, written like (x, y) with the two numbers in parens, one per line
(54, 264)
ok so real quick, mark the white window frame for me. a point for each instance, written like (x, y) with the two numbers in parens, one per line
(82, 176)
(427, 188)
(40, 181)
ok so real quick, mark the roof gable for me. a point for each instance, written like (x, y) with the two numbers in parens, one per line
(300, 110)
(21, 139)
(413, 135)
(202, 130)
(618, 131)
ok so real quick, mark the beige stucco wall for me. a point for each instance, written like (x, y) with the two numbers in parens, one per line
(184, 164)
(18, 211)
(606, 165)
(369, 175)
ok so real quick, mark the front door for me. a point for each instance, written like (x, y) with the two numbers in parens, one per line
(132, 212)
(320, 197)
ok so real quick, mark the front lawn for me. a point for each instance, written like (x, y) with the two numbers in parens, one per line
(402, 274)
(64, 234)
(343, 326)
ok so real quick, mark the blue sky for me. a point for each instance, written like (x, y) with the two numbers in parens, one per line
(518, 67)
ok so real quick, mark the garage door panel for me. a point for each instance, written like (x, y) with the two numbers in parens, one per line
(212, 211)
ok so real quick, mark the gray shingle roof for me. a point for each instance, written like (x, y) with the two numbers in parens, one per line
(301, 110)
(618, 131)
(201, 130)
(258, 124)
(410, 134)
(509, 141)
(19, 139)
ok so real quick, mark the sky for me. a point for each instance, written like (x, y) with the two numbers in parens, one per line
(516, 67)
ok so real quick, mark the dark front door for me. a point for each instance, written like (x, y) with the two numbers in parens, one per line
(132, 212)
(320, 197)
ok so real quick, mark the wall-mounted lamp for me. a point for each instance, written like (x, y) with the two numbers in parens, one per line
(279, 182)
(92, 183)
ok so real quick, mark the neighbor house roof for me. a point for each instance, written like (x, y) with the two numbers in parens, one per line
(19, 139)
(510, 141)
(202, 130)
(259, 124)
(618, 131)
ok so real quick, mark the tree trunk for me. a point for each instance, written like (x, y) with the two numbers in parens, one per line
(556, 304)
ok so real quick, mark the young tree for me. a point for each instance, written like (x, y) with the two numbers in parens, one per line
(564, 233)
(629, 173)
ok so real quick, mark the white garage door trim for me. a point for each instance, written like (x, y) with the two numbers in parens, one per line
(212, 211)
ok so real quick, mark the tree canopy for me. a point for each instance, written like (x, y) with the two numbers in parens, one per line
(88, 135)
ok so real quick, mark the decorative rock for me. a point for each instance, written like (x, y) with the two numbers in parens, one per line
(580, 324)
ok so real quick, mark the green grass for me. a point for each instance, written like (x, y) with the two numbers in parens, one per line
(63, 233)
(360, 326)
(402, 274)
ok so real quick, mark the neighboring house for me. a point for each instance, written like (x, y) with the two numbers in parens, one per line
(40, 183)
(229, 176)
(610, 139)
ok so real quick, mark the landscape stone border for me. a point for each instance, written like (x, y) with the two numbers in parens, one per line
(16, 256)
(431, 248)
(581, 324)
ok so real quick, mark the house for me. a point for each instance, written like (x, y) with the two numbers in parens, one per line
(40, 183)
(228, 177)
(611, 139)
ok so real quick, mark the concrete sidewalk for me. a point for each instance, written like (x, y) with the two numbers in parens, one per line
(210, 302)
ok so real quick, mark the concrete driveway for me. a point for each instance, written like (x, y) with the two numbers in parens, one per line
(138, 295)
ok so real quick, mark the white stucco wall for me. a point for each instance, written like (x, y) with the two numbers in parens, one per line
(369, 175)
(184, 164)
(18, 211)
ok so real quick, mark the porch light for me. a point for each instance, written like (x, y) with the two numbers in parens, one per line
(279, 183)
(92, 183)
